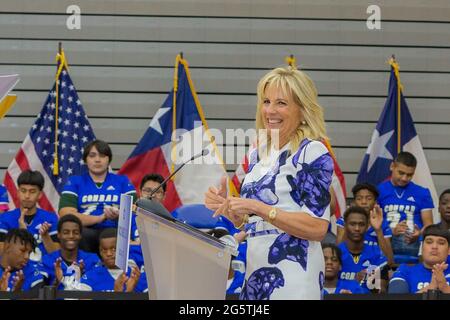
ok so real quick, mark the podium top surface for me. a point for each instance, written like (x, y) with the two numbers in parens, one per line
(150, 209)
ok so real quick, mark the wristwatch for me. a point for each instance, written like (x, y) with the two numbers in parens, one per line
(272, 214)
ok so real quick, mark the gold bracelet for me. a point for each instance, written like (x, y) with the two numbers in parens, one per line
(244, 221)
(272, 214)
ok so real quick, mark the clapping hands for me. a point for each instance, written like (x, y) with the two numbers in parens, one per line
(111, 213)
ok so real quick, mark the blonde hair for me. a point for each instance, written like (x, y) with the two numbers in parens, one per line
(304, 93)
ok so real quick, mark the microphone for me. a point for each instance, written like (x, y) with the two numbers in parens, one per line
(201, 154)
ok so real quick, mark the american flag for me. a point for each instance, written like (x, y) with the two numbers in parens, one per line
(37, 151)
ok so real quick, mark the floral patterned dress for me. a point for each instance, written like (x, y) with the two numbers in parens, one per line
(281, 266)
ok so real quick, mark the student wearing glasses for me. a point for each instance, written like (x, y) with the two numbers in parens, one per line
(151, 182)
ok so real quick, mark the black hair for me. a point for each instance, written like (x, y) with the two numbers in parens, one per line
(437, 231)
(365, 186)
(357, 210)
(69, 218)
(153, 177)
(406, 158)
(108, 233)
(102, 147)
(23, 235)
(334, 249)
(443, 194)
(34, 178)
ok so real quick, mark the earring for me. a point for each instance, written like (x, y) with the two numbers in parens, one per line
(303, 122)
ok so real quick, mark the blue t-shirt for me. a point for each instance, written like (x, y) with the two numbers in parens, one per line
(134, 234)
(404, 203)
(32, 276)
(142, 285)
(136, 255)
(370, 237)
(47, 267)
(416, 276)
(370, 256)
(4, 201)
(351, 285)
(92, 199)
(99, 278)
(10, 220)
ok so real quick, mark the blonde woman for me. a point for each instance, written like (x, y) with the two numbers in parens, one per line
(285, 200)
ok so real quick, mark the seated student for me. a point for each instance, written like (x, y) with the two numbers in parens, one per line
(106, 276)
(70, 257)
(379, 233)
(149, 183)
(4, 201)
(17, 271)
(94, 197)
(444, 209)
(358, 257)
(433, 272)
(333, 266)
(406, 206)
(40, 223)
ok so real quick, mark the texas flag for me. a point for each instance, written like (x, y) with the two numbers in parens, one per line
(395, 132)
(162, 149)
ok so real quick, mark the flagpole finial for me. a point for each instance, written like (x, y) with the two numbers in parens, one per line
(394, 64)
(291, 61)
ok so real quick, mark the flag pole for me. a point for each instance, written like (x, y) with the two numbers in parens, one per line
(174, 113)
(60, 64)
(396, 68)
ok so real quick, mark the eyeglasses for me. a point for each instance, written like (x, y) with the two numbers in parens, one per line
(150, 190)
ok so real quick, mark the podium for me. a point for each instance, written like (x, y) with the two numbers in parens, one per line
(181, 262)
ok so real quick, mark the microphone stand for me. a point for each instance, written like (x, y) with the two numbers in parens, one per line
(155, 206)
(201, 154)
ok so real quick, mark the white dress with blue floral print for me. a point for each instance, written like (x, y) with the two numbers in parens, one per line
(281, 266)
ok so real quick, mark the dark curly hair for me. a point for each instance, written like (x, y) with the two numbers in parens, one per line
(23, 235)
